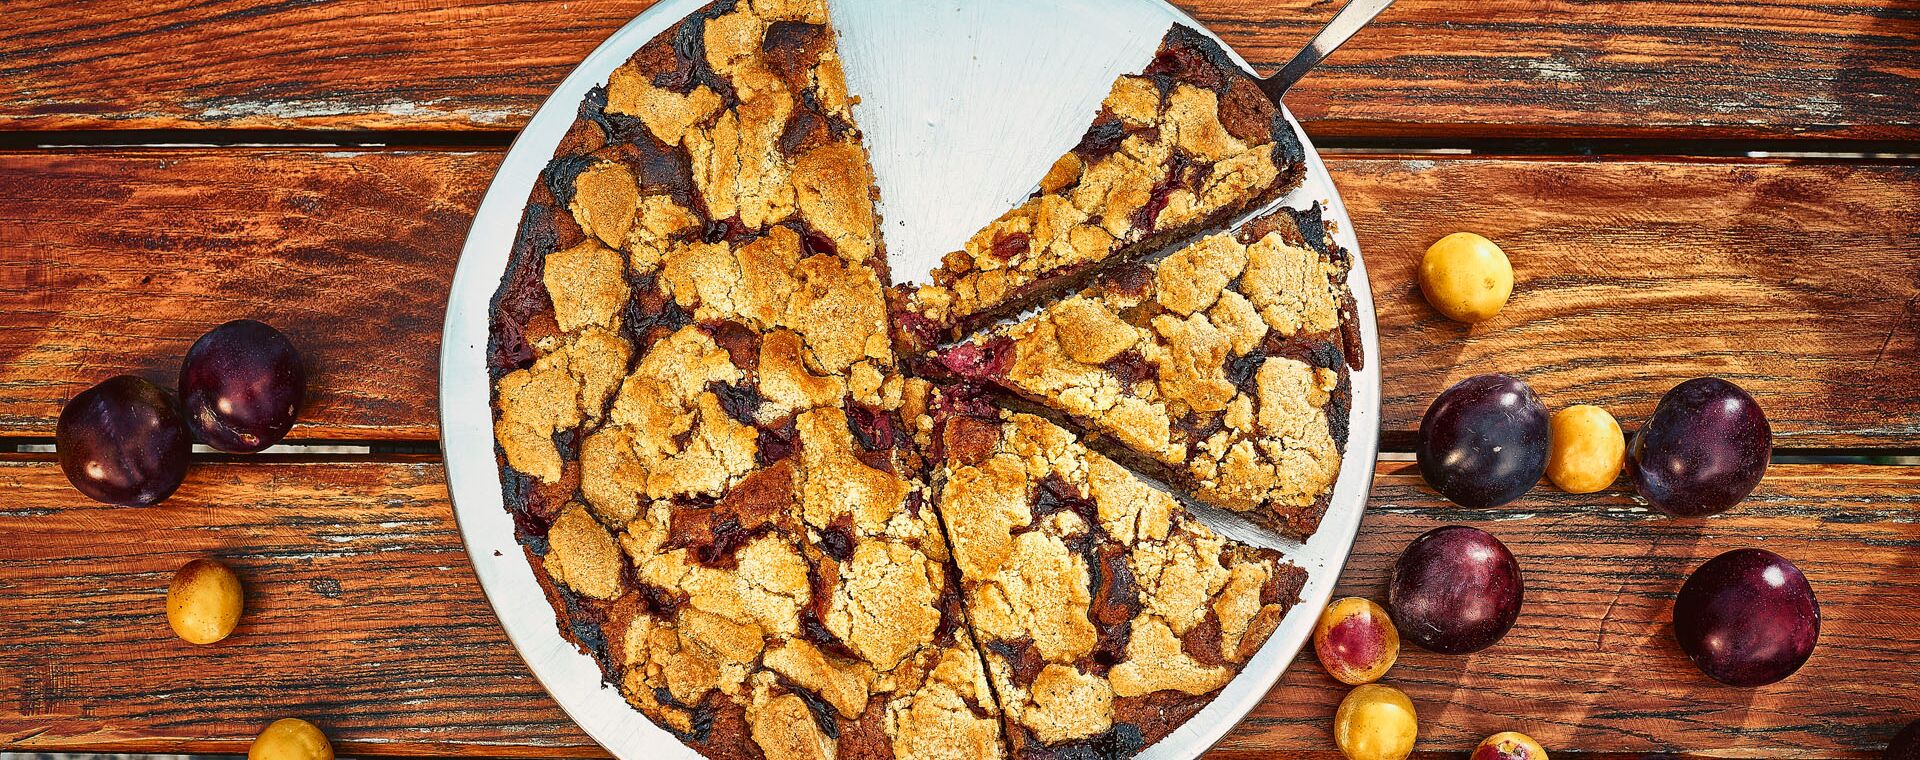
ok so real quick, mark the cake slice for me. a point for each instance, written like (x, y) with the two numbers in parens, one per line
(1184, 146)
(1108, 616)
(1221, 369)
(807, 614)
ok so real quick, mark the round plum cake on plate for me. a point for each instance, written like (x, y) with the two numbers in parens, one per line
(1073, 487)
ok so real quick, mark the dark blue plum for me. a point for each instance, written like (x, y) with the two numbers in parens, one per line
(1483, 442)
(1455, 590)
(1703, 450)
(122, 442)
(241, 386)
(1747, 618)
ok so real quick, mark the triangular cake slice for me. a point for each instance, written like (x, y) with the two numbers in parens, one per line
(1184, 146)
(1108, 616)
(1221, 369)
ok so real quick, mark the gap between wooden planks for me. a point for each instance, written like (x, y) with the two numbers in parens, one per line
(1490, 68)
(1798, 280)
(363, 615)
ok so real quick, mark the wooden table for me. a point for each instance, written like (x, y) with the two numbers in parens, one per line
(167, 165)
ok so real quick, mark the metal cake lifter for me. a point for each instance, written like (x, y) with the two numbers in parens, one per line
(1343, 26)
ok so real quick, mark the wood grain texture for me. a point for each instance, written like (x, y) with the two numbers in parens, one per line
(364, 616)
(1494, 68)
(1801, 281)
(114, 263)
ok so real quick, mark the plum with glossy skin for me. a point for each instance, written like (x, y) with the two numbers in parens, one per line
(241, 386)
(122, 442)
(1509, 745)
(1906, 744)
(1355, 641)
(1747, 618)
(1483, 442)
(1703, 450)
(1455, 590)
(1375, 722)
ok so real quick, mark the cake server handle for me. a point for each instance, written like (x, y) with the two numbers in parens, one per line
(1343, 26)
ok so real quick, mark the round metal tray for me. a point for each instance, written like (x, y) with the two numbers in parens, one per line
(964, 105)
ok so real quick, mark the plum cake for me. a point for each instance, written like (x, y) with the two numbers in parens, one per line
(1185, 145)
(1108, 616)
(779, 540)
(1220, 369)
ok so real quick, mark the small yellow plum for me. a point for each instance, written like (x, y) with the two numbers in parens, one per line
(1586, 449)
(1466, 277)
(204, 601)
(290, 739)
(1375, 723)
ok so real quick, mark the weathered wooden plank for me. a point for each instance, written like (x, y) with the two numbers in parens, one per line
(364, 616)
(1797, 280)
(1800, 282)
(1496, 68)
(116, 262)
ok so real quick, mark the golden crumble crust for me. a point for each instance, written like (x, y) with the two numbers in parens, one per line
(760, 526)
(1231, 383)
(1106, 614)
(1169, 155)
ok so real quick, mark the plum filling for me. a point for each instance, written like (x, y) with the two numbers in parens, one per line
(1007, 245)
(986, 360)
(777, 442)
(651, 315)
(658, 602)
(729, 230)
(1181, 173)
(1102, 139)
(812, 243)
(524, 295)
(1022, 658)
(741, 343)
(836, 540)
(871, 427)
(738, 401)
(1130, 367)
(915, 330)
(1243, 371)
(1132, 280)
(1115, 599)
(812, 617)
(1056, 495)
(823, 713)
(951, 615)
(1122, 741)
(1188, 57)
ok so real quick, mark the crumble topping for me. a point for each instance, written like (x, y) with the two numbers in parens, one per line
(775, 542)
(1104, 612)
(1218, 368)
(1173, 150)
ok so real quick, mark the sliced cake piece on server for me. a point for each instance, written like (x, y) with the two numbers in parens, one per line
(1221, 369)
(1182, 147)
(1108, 616)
